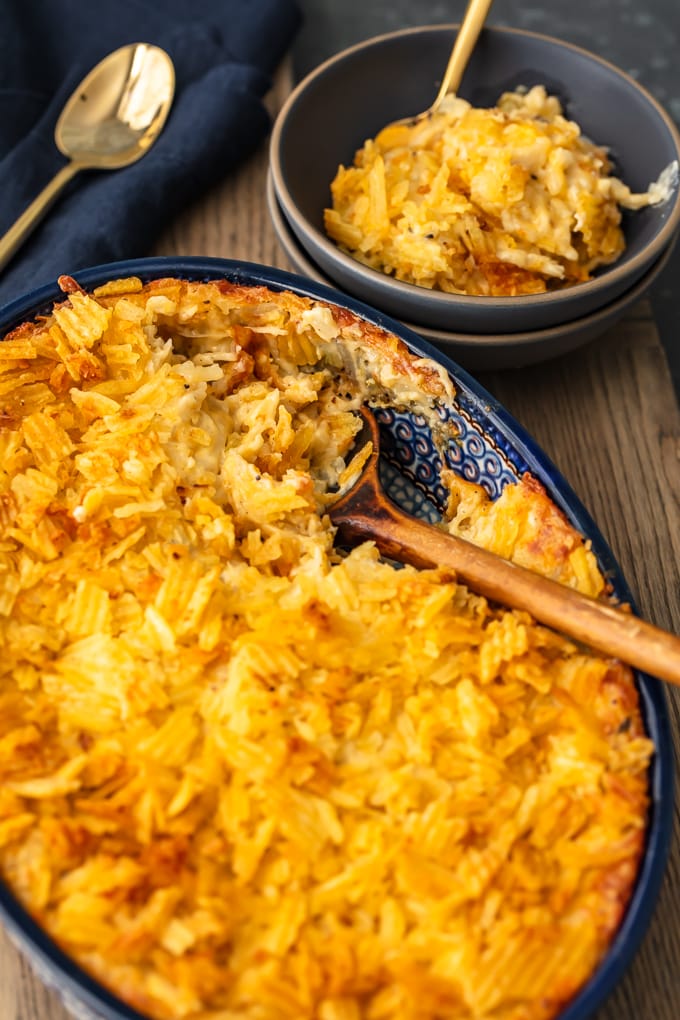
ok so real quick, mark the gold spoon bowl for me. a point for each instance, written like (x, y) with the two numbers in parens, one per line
(111, 120)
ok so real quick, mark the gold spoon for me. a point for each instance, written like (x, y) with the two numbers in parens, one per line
(466, 40)
(365, 513)
(110, 121)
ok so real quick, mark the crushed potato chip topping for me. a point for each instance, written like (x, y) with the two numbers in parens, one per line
(498, 202)
(244, 774)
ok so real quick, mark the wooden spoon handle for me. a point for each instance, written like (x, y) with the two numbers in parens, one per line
(371, 516)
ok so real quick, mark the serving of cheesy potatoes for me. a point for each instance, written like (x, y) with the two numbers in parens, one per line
(497, 202)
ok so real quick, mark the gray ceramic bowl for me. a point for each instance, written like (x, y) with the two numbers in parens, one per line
(484, 352)
(351, 96)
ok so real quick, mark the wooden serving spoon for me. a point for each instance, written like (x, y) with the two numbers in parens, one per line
(364, 512)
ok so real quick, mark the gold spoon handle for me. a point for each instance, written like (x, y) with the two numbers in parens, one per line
(365, 513)
(25, 224)
(468, 33)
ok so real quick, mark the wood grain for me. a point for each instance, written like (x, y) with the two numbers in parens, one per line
(608, 417)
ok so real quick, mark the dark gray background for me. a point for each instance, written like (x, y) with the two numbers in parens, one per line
(640, 36)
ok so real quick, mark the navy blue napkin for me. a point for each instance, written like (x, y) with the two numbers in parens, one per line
(224, 52)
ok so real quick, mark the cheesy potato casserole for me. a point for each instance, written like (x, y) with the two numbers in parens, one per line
(247, 774)
(498, 202)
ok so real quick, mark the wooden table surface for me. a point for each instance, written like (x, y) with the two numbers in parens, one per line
(608, 417)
